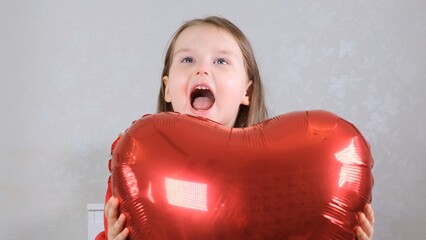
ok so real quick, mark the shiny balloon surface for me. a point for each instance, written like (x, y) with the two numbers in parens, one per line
(301, 175)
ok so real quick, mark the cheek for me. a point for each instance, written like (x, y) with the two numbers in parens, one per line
(231, 95)
(177, 84)
(177, 91)
(234, 87)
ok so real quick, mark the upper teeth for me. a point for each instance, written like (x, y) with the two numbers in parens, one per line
(201, 87)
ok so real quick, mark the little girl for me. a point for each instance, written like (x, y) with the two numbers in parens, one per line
(210, 71)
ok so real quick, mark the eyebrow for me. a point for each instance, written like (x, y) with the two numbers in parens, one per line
(182, 50)
(226, 52)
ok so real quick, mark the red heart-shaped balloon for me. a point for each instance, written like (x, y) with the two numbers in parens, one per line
(301, 175)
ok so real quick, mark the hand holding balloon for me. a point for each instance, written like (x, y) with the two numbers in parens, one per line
(366, 220)
(116, 230)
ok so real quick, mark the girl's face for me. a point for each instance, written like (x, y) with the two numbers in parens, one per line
(207, 76)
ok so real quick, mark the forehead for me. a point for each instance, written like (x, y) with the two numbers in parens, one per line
(207, 36)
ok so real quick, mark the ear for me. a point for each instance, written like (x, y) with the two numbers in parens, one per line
(167, 97)
(246, 97)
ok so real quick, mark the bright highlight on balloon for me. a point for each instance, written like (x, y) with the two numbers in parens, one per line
(351, 159)
(186, 194)
(350, 155)
(131, 180)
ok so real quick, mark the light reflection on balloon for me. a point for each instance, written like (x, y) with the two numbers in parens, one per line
(351, 164)
(186, 194)
(131, 181)
(149, 193)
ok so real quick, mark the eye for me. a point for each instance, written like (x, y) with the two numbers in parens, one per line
(221, 61)
(187, 60)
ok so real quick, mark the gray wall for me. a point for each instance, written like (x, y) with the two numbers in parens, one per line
(73, 74)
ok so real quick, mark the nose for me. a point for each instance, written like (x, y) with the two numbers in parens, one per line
(201, 73)
(202, 69)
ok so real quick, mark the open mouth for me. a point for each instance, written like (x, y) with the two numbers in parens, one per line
(202, 98)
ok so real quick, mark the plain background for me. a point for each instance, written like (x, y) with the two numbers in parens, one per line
(76, 73)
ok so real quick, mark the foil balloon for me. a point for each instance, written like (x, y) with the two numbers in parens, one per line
(301, 175)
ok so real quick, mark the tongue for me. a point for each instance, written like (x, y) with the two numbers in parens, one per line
(202, 103)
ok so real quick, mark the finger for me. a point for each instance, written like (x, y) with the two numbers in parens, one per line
(115, 227)
(112, 212)
(118, 225)
(107, 206)
(360, 234)
(369, 213)
(113, 209)
(123, 235)
(365, 225)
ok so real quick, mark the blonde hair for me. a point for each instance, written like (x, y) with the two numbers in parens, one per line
(247, 115)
